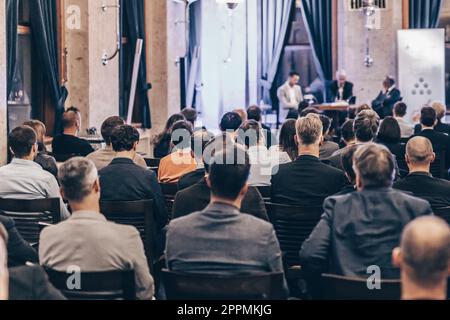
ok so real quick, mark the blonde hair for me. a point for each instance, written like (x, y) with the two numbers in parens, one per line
(440, 109)
(309, 129)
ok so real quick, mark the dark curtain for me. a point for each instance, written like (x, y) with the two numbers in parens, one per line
(45, 30)
(424, 14)
(134, 10)
(12, 17)
(317, 15)
(275, 19)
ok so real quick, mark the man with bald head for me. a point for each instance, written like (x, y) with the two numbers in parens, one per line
(424, 259)
(68, 143)
(420, 182)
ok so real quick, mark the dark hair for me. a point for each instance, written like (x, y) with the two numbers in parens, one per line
(347, 131)
(294, 74)
(230, 121)
(249, 134)
(390, 81)
(199, 141)
(216, 144)
(181, 134)
(292, 115)
(21, 140)
(366, 125)
(347, 162)
(254, 113)
(400, 109)
(428, 116)
(229, 172)
(108, 127)
(302, 106)
(390, 131)
(309, 110)
(326, 122)
(287, 139)
(124, 137)
(190, 114)
(165, 134)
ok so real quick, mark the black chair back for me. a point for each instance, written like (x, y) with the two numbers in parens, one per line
(443, 213)
(138, 214)
(28, 214)
(152, 162)
(169, 190)
(438, 167)
(346, 288)
(108, 285)
(293, 225)
(265, 192)
(182, 286)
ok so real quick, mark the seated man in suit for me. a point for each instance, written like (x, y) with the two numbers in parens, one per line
(220, 239)
(255, 113)
(419, 156)
(104, 156)
(289, 95)
(441, 111)
(198, 196)
(87, 239)
(424, 259)
(123, 180)
(328, 146)
(341, 89)
(307, 181)
(362, 228)
(386, 100)
(68, 143)
(23, 178)
(439, 140)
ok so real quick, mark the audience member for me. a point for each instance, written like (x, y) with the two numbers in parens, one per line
(347, 165)
(230, 122)
(220, 240)
(390, 136)
(441, 111)
(68, 142)
(307, 111)
(242, 113)
(287, 150)
(104, 156)
(47, 162)
(23, 178)
(347, 134)
(419, 156)
(328, 147)
(354, 111)
(343, 242)
(123, 180)
(406, 128)
(255, 113)
(424, 259)
(307, 181)
(191, 115)
(180, 161)
(301, 107)
(87, 240)
(162, 142)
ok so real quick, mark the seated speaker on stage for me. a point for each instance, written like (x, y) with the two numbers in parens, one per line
(341, 89)
(386, 100)
(289, 95)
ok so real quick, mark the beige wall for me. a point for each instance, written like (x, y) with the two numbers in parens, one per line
(3, 103)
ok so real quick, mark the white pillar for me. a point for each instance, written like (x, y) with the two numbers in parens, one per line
(3, 77)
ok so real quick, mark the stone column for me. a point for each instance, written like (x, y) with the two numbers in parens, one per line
(3, 77)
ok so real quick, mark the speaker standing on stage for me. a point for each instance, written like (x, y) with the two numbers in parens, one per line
(289, 95)
(386, 100)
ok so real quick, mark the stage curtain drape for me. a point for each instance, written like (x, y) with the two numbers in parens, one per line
(45, 30)
(317, 15)
(424, 14)
(134, 10)
(275, 18)
(193, 76)
(12, 16)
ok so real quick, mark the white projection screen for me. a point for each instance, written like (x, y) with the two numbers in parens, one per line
(421, 67)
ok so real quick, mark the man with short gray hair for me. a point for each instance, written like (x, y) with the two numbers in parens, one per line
(87, 240)
(362, 228)
(420, 182)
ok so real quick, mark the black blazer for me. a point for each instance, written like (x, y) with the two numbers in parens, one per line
(306, 182)
(359, 230)
(348, 90)
(191, 178)
(423, 185)
(384, 103)
(19, 251)
(31, 283)
(440, 127)
(66, 145)
(197, 197)
(440, 142)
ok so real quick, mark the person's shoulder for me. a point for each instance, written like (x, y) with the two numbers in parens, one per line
(184, 222)
(7, 222)
(330, 170)
(407, 198)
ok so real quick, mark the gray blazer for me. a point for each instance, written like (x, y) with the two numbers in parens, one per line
(88, 241)
(285, 98)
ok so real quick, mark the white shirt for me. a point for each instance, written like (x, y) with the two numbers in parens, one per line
(261, 166)
(292, 94)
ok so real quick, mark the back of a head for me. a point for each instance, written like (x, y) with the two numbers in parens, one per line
(419, 151)
(250, 133)
(428, 117)
(181, 134)
(374, 165)
(390, 131)
(326, 123)
(347, 131)
(190, 114)
(400, 109)
(70, 118)
(108, 127)
(124, 137)
(425, 249)
(199, 141)
(309, 129)
(309, 110)
(303, 106)
(21, 141)
(366, 125)
(215, 145)
(347, 162)
(254, 113)
(38, 127)
(172, 120)
(440, 109)
(77, 177)
(231, 121)
(287, 138)
(242, 113)
(229, 172)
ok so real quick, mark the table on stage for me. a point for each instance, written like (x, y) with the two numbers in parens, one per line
(336, 108)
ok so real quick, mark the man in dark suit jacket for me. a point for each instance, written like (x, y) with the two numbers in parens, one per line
(123, 180)
(19, 251)
(419, 156)
(386, 100)
(360, 230)
(341, 89)
(220, 240)
(307, 181)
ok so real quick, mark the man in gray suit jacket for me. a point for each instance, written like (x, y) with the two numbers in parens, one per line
(220, 240)
(87, 240)
(289, 95)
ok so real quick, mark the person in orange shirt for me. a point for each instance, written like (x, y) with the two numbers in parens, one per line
(180, 161)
